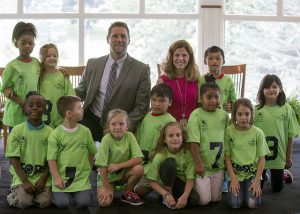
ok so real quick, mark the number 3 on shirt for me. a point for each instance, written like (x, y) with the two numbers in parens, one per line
(70, 173)
(213, 145)
(273, 149)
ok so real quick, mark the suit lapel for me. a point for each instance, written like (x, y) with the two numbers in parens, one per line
(96, 78)
(123, 73)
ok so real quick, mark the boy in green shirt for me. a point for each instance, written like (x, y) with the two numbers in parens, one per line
(214, 58)
(27, 151)
(70, 156)
(149, 130)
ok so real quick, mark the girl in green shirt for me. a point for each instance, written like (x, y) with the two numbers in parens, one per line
(119, 160)
(20, 75)
(278, 121)
(206, 131)
(245, 150)
(171, 172)
(52, 83)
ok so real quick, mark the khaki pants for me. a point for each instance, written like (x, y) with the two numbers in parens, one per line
(21, 199)
(209, 188)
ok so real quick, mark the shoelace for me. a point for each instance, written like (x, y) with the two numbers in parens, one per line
(133, 195)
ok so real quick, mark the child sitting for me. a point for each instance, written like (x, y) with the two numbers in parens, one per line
(171, 172)
(119, 160)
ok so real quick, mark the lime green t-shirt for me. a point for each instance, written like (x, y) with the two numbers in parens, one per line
(244, 149)
(54, 86)
(278, 123)
(208, 130)
(22, 77)
(185, 167)
(30, 145)
(117, 151)
(227, 91)
(149, 130)
(71, 151)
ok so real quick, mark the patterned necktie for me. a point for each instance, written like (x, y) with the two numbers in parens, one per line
(110, 85)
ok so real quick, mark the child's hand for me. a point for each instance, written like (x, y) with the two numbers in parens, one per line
(181, 202)
(40, 185)
(288, 163)
(64, 72)
(22, 104)
(255, 187)
(234, 185)
(8, 92)
(170, 200)
(113, 167)
(58, 182)
(28, 187)
(105, 194)
(199, 169)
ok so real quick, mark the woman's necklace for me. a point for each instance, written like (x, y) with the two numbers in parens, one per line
(183, 96)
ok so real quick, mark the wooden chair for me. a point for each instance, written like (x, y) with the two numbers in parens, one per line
(2, 103)
(238, 75)
(75, 73)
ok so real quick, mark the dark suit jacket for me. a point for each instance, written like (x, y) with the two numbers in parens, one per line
(130, 93)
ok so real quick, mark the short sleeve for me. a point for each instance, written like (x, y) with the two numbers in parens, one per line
(13, 145)
(103, 152)
(68, 87)
(293, 126)
(7, 78)
(227, 143)
(153, 170)
(134, 147)
(262, 148)
(190, 167)
(90, 143)
(193, 131)
(52, 151)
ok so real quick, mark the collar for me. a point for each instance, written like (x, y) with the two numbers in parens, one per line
(119, 61)
(220, 76)
(31, 127)
(153, 114)
(25, 60)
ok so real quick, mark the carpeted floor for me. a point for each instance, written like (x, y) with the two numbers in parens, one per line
(286, 202)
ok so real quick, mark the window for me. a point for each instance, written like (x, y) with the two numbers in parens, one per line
(266, 45)
(79, 27)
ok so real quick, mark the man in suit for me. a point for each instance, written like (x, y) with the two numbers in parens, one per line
(130, 91)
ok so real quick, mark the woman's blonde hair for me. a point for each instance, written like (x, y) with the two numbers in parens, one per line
(161, 145)
(191, 71)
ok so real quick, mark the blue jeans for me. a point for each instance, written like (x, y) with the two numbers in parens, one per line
(244, 196)
(80, 199)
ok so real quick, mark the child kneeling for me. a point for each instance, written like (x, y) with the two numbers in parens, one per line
(70, 156)
(27, 151)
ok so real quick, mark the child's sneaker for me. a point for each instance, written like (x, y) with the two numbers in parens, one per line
(131, 198)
